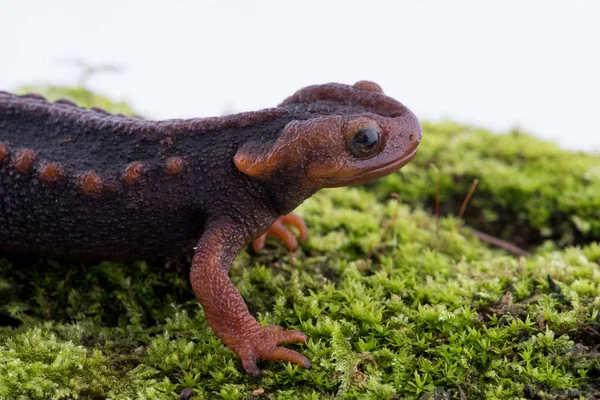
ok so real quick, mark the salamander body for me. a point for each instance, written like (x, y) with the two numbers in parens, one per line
(85, 185)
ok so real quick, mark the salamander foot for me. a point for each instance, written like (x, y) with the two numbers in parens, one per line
(281, 232)
(264, 345)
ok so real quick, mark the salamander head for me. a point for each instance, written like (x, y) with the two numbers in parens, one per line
(357, 134)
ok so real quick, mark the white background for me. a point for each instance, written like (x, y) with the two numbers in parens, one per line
(498, 64)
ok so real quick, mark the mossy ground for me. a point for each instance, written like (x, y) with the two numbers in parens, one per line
(529, 190)
(395, 305)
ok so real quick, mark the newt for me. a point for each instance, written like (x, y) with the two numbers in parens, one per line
(79, 184)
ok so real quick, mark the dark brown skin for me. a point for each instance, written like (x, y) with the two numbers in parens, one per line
(84, 185)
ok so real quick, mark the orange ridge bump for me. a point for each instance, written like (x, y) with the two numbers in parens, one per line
(3, 151)
(252, 165)
(368, 86)
(24, 160)
(174, 165)
(90, 183)
(133, 172)
(50, 172)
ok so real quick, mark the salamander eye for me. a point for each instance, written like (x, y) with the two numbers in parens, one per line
(364, 142)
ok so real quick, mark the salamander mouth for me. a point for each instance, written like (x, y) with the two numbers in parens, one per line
(388, 168)
(366, 175)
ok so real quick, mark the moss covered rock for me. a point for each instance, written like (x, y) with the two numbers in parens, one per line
(395, 304)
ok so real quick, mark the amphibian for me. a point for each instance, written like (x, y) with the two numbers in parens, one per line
(81, 184)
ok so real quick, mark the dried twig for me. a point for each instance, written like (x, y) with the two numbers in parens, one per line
(465, 202)
(511, 248)
(437, 208)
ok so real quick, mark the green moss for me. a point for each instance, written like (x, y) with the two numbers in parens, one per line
(395, 307)
(407, 315)
(529, 190)
(79, 94)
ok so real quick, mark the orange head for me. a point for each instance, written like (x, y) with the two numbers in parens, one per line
(353, 134)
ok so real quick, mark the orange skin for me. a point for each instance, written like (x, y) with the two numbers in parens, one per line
(279, 230)
(311, 154)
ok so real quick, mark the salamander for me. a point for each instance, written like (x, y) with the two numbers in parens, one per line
(79, 184)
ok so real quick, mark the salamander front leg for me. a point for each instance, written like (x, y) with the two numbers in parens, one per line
(226, 311)
(281, 232)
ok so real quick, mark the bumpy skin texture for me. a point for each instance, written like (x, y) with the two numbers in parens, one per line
(84, 185)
